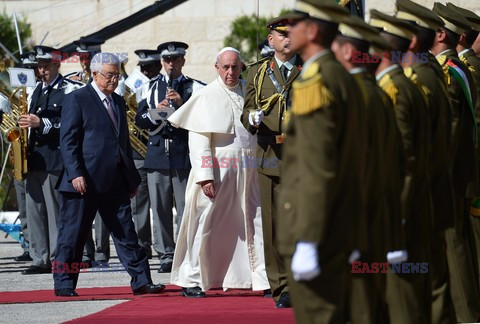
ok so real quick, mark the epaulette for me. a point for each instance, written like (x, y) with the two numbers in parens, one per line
(71, 85)
(410, 74)
(155, 78)
(259, 61)
(73, 82)
(442, 59)
(387, 85)
(69, 75)
(465, 61)
(310, 93)
(195, 80)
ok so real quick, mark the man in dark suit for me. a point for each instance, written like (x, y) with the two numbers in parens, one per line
(99, 176)
(44, 159)
(167, 162)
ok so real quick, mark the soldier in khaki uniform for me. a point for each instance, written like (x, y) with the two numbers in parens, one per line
(324, 155)
(463, 286)
(408, 294)
(269, 84)
(467, 56)
(382, 177)
(428, 77)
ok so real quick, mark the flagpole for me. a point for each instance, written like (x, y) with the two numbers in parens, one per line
(18, 34)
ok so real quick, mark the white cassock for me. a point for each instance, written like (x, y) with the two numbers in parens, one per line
(220, 243)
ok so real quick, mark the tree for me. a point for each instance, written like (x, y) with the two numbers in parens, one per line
(8, 36)
(246, 33)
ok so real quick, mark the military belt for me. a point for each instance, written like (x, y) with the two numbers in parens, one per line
(270, 139)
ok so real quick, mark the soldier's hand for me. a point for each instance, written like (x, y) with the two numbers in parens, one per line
(305, 261)
(396, 257)
(208, 188)
(255, 118)
(79, 185)
(29, 120)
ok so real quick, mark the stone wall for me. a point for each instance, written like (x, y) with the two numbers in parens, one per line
(203, 24)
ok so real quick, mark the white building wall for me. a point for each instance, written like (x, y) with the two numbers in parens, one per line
(203, 24)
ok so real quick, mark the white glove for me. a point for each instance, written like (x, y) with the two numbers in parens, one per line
(255, 117)
(354, 256)
(395, 257)
(305, 261)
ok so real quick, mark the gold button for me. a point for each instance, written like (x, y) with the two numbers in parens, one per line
(287, 205)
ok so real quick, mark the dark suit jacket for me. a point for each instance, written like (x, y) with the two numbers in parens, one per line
(90, 144)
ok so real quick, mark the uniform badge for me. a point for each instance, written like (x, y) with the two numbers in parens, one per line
(22, 78)
(171, 48)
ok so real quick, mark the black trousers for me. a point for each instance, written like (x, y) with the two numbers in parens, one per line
(76, 217)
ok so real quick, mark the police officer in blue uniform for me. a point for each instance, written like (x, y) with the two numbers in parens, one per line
(44, 159)
(167, 162)
(150, 66)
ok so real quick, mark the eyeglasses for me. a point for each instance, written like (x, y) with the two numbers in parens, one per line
(110, 76)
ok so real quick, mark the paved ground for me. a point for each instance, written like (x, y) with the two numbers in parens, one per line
(12, 280)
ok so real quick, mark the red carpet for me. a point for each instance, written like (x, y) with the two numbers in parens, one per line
(99, 293)
(229, 308)
(44, 296)
(232, 307)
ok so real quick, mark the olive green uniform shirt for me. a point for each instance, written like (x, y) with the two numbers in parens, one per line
(412, 122)
(325, 151)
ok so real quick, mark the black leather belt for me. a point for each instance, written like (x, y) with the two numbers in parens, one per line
(270, 139)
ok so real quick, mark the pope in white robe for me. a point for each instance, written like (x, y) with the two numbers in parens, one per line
(220, 243)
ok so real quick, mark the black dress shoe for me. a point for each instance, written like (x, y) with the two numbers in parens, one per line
(284, 301)
(165, 267)
(24, 257)
(149, 289)
(193, 292)
(36, 270)
(65, 292)
(267, 293)
(101, 264)
(87, 264)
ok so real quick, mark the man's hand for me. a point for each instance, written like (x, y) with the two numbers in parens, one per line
(305, 261)
(80, 185)
(255, 118)
(29, 120)
(396, 257)
(208, 188)
(175, 97)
